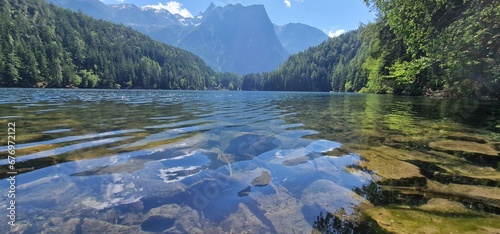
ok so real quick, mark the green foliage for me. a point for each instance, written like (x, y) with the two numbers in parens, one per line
(415, 46)
(41, 43)
(406, 73)
(448, 44)
(333, 65)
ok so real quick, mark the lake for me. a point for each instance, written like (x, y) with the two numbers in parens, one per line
(149, 161)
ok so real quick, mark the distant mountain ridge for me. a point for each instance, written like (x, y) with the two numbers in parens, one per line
(297, 37)
(236, 38)
(233, 38)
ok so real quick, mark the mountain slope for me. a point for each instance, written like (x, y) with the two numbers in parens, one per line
(236, 38)
(297, 37)
(42, 45)
(230, 39)
(334, 65)
(93, 8)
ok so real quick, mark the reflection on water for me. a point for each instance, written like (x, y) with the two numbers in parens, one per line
(92, 161)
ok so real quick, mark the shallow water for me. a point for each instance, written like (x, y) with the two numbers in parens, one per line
(92, 161)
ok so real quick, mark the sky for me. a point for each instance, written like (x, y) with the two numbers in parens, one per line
(331, 16)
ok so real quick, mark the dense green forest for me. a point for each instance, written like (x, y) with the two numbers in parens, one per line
(333, 65)
(414, 47)
(44, 45)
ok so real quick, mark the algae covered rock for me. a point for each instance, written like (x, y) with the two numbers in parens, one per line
(437, 216)
(464, 147)
(391, 171)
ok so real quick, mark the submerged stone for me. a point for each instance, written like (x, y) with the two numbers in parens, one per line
(262, 180)
(464, 147)
(437, 216)
(444, 205)
(487, 197)
(250, 145)
(98, 226)
(244, 221)
(391, 171)
(466, 137)
(282, 212)
(157, 223)
(58, 225)
(330, 196)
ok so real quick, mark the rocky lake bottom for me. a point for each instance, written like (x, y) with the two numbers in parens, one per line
(101, 161)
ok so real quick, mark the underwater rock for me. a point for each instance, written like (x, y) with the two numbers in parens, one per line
(244, 221)
(97, 226)
(161, 218)
(488, 197)
(262, 180)
(391, 171)
(250, 145)
(330, 196)
(51, 194)
(433, 217)
(157, 188)
(296, 161)
(440, 204)
(469, 137)
(157, 223)
(168, 211)
(283, 212)
(464, 147)
(130, 218)
(188, 221)
(59, 225)
(172, 218)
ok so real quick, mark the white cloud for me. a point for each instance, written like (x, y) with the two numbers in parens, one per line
(336, 33)
(172, 7)
(288, 3)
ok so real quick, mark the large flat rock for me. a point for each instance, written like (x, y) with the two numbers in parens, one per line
(437, 216)
(464, 147)
(389, 170)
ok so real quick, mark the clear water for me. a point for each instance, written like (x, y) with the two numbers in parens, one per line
(104, 161)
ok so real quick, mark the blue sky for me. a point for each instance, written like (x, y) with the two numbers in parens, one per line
(331, 16)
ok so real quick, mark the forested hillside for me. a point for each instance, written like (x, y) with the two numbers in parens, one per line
(44, 45)
(415, 47)
(333, 65)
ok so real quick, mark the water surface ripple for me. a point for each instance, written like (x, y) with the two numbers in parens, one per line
(123, 161)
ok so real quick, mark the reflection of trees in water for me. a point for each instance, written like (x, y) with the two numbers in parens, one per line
(331, 223)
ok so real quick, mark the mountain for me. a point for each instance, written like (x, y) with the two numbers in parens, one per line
(93, 8)
(236, 38)
(233, 38)
(297, 37)
(45, 45)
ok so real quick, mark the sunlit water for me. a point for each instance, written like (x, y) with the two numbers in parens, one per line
(105, 161)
